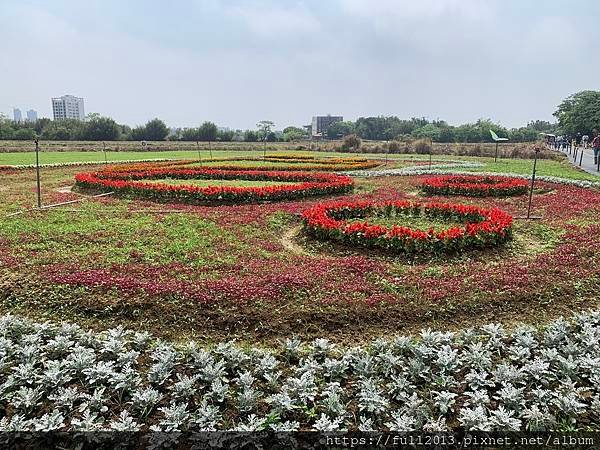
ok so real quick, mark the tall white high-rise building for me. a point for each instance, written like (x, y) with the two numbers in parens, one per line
(32, 115)
(17, 115)
(68, 107)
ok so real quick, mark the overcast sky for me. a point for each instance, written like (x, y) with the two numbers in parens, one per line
(236, 62)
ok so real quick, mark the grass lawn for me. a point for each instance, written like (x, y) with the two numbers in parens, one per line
(74, 156)
(521, 166)
(410, 221)
(562, 169)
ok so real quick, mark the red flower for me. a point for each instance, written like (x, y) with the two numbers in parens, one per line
(129, 183)
(474, 186)
(483, 227)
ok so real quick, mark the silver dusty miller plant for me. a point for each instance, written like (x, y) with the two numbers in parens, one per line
(61, 378)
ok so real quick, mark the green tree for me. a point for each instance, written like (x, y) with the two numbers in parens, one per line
(250, 136)
(579, 113)
(225, 136)
(6, 129)
(125, 132)
(264, 128)
(340, 129)
(138, 133)
(40, 124)
(543, 126)
(63, 130)
(523, 134)
(156, 130)
(467, 133)
(271, 137)
(24, 134)
(190, 134)
(99, 128)
(429, 131)
(293, 134)
(207, 132)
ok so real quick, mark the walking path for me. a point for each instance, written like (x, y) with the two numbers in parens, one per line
(587, 162)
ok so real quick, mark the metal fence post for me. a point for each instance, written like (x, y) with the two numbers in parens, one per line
(37, 171)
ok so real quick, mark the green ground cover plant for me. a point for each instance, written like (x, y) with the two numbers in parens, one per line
(247, 271)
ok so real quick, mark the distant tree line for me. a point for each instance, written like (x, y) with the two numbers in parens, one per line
(578, 113)
(393, 128)
(99, 128)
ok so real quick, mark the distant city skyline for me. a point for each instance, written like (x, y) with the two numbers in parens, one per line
(17, 116)
(30, 115)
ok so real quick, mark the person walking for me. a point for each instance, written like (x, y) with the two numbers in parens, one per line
(596, 146)
(584, 140)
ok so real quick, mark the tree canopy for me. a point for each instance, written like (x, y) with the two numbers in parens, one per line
(265, 128)
(207, 132)
(579, 113)
(155, 130)
(99, 128)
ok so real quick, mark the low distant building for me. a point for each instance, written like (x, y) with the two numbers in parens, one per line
(17, 116)
(320, 124)
(32, 115)
(68, 107)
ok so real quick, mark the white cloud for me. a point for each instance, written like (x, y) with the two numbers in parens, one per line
(291, 60)
(391, 11)
(271, 21)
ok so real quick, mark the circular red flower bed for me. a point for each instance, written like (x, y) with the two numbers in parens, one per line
(130, 183)
(482, 227)
(474, 186)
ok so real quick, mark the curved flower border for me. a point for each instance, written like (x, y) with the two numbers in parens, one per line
(16, 167)
(454, 169)
(474, 186)
(320, 165)
(483, 227)
(129, 184)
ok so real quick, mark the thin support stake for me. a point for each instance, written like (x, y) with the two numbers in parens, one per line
(532, 184)
(496, 153)
(581, 158)
(37, 171)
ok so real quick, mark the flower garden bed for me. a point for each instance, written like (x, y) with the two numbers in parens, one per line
(482, 227)
(220, 272)
(474, 186)
(269, 164)
(130, 183)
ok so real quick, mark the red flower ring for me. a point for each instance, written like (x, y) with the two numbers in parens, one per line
(474, 186)
(319, 165)
(131, 184)
(482, 227)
